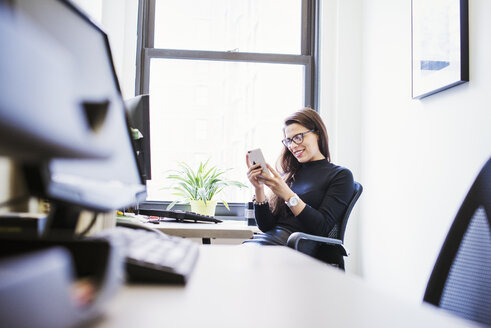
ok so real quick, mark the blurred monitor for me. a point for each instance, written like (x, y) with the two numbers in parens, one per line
(138, 109)
(44, 111)
(76, 184)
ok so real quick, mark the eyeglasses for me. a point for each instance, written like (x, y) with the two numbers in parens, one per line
(298, 138)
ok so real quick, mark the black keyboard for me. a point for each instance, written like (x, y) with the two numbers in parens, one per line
(182, 216)
(153, 256)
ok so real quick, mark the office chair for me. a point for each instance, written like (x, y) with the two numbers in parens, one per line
(461, 279)
(327, 249)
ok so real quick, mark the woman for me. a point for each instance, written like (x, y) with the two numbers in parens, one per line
(311, 195)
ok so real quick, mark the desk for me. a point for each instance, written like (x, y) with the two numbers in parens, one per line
(206, 231)
(247, 286)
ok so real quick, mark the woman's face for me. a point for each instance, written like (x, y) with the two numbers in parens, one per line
(308, 149)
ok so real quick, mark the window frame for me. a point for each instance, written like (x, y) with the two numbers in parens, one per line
(308, 57)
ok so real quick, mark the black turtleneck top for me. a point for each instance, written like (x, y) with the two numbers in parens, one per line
(325, 188)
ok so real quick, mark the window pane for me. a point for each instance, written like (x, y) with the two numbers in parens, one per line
(268, 26)
(218, 110)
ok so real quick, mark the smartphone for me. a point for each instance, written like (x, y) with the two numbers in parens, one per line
(256, 157)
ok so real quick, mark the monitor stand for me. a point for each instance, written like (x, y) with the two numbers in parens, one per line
(62, 220)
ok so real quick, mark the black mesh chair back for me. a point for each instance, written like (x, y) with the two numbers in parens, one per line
(329, 251)
(339, 229)
(344, 221)
(461, 279)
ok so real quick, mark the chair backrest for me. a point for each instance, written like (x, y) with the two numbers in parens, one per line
(344, 222)
(461, 279)
(324, 252)
(338, 230)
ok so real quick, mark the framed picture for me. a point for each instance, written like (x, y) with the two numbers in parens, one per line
(440, 45)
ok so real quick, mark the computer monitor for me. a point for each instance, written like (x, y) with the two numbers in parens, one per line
(37, 84)
(138, 109)
(76, 184)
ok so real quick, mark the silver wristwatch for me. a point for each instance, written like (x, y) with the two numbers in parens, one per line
(293, 201)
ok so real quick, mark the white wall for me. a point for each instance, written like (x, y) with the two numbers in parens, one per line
(340, 101)
(418, 158)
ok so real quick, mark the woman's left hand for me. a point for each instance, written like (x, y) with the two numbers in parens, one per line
(276, 184)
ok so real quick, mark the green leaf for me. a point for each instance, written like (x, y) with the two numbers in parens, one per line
(226, 205)
(202, 194)
(171, 205)
(204, 183)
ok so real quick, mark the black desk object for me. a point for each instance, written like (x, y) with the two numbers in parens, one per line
(181, 216)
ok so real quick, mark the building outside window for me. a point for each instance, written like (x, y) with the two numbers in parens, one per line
(222, 75)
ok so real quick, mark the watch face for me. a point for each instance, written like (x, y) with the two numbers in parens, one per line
(293, 201)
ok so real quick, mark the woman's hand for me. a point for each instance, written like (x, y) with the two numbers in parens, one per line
(276, 183)
(281, 189)
(252, 174)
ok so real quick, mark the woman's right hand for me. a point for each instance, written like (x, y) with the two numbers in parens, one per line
(252, 173)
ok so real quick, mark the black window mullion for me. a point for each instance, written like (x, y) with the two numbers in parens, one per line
(308, 86)
(305, 32)
(314, 52)
(146, 32)
(150, 39)
(145, 86)
(139, 46)
(308, 49)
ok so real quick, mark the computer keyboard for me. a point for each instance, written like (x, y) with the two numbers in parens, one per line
(153, 256)
(178, 215)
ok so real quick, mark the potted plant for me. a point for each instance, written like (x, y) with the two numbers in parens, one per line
(198, 188)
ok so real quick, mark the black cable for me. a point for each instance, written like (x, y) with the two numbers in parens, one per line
(14, 200)
(91, 224)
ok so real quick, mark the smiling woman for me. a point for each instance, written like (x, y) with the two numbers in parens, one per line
(307, 193)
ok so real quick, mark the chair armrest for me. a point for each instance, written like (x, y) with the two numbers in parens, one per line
(295, 238)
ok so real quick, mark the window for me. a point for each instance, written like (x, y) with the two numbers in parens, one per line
(222, 75)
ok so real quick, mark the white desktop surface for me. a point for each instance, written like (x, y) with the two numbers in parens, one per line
(268, 286)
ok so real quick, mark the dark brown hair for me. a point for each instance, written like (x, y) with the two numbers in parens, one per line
(287, 164)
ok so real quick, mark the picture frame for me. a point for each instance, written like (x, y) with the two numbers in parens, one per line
(439, 45)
